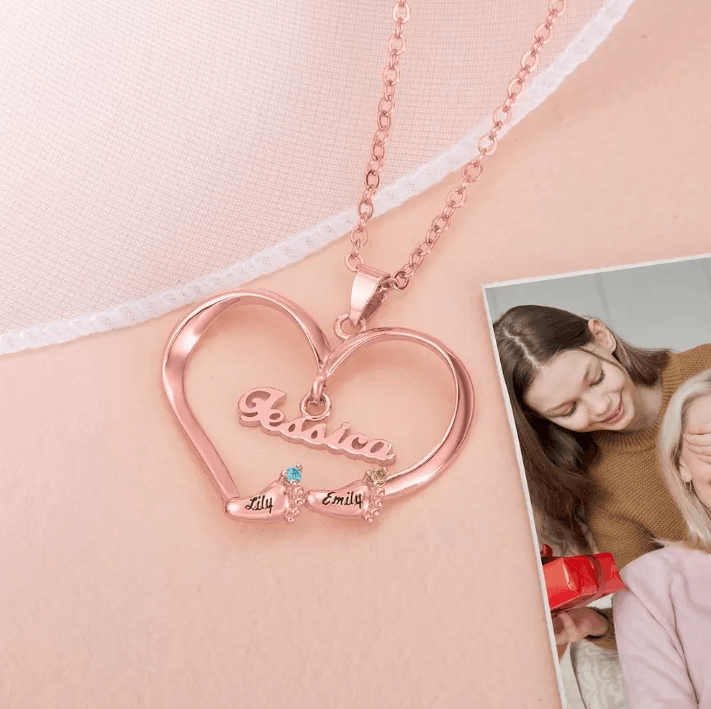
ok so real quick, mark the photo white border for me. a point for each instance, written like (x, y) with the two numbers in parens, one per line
(590, 272)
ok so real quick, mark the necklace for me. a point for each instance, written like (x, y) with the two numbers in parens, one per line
(285, 497)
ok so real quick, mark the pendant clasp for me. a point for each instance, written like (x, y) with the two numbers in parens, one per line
(366, 297)
(366, 294)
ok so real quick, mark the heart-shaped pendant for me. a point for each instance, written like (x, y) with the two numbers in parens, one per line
(284, 498)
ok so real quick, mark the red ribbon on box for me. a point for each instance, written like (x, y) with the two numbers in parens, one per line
(576, 581)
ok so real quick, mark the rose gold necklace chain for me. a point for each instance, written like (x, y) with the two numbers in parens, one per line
(471, 172)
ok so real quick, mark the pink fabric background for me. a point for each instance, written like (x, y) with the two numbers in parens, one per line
(214, 142)
(122, 583)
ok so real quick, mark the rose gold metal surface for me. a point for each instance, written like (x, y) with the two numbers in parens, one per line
(279, 500)
(258, 407)
(317, 388)
(347, 501)
(362, 498)
(366, 294)
(437, 460)
(185, 337)
(180, 345)
(323, 402)
(341, 320)
(268, 505)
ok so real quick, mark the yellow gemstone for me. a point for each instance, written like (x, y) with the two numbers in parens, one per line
(378, 476)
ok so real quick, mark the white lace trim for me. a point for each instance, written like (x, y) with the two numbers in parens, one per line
(311, 240)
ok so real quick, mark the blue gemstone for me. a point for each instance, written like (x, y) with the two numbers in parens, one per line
(293, 475)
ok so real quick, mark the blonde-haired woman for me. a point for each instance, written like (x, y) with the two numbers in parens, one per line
(663, 620)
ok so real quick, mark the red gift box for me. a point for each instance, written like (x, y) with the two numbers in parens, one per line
(576, 581)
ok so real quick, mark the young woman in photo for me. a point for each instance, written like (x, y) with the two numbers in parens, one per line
(663, 620)
(587, 407)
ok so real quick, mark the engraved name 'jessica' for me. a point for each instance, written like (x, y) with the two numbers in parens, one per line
(352, 498)
(258, 407)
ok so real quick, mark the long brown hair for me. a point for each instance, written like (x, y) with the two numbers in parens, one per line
(555, 459)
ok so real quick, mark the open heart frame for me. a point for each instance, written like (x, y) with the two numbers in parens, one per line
(285, 497)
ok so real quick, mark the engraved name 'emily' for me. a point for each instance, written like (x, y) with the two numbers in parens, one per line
(352, 498)
(258, 407)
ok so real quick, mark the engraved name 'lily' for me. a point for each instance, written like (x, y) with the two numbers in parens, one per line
(260, 502)
(258, 407)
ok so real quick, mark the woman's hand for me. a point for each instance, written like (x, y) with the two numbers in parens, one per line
(573, 626)
(697, 440)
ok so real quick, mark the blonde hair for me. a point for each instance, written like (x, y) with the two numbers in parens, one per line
(669, 444)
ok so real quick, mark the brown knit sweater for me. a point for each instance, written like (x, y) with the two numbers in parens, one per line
(632, 506)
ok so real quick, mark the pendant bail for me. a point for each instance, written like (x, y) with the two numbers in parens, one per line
(366, 295)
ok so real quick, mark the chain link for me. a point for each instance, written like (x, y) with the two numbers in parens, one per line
(391, 76)
(471, 172)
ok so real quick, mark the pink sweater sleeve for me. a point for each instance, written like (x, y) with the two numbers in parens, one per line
(654, 672)
(663, 629)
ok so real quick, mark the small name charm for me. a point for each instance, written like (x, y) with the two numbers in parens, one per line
(362, 498)
(282, 499)
(258, 407)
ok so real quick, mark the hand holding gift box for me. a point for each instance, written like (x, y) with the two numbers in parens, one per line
(576, 581)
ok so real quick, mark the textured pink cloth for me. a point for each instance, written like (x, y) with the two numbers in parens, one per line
(663, 627)
(155, 153)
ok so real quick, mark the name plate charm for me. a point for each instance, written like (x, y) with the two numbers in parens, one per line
(258, 407)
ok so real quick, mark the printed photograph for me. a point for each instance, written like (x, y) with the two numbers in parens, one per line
(607, 380)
